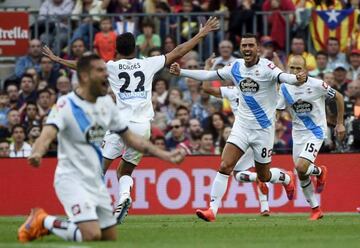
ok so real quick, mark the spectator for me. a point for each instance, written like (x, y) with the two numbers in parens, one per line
(33, 73)
(27, 88)
(216, 125)
(121, 7)
(194, 131)
(47, 72)
(341, 82)
(169, 44)
(225, 52)
(57, 26)
(330, 79)
(280, 146)
(13, 92)
(105, 40)
(4, 108)
(192, 95)
(19, 148)
(276, 21)
(335, 56)
(321, 64)
(205, 107)
(182, 113)
(77, 49)
(354, 70)
(13, 118)
(161, 88)
(4, 148)
(267, 50)
(147, 39)
(190, 64)
(89, 23)
(206, 144)
(31, 117)
(160, 118)
(298, 48)
(159, 141)
(33, 134)
(163, 23)
(174, 100)
(53, 96)
(44, 102)
(189, 25)
(63, 86)
(30, 60)
(155, 51)
(176, 134)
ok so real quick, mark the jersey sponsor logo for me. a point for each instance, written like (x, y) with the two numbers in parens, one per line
(249, 86)
(301, 107)
(129, 66)
(95, 135)
(132, 95)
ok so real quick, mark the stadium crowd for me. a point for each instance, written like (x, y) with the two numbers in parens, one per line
(185, 116)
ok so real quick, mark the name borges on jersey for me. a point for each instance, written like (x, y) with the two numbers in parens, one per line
(129, 66)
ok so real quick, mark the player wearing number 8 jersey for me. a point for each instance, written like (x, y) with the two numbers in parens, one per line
(307, 107)
(256, 79)
(131, 81)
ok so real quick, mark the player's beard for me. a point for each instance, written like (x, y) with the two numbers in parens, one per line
(97, 88)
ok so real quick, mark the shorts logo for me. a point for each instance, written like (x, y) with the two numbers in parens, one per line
(249, 86)
(301, 107)
(75, 209)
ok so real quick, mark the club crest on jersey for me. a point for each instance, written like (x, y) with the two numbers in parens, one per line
(301, 107)
(95, 134)
(249, 86)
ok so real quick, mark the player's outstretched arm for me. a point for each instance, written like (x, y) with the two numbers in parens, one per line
(182, 49)
(287, 78)
(46, 51)
(41, 145)
(144, 146)
(339, 128)
(200, 75)
(207, 85)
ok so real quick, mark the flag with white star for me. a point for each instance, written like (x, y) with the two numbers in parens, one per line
(332, 23)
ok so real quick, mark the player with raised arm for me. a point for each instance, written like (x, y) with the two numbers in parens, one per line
(131, 81)
(306, 103)
(256, 79)
(80, 120)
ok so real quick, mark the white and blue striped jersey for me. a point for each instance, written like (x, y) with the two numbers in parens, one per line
(131, 81)
(257, 87)
(307, 105)
(81, 127)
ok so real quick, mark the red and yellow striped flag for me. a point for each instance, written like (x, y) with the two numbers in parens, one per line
(332, 23)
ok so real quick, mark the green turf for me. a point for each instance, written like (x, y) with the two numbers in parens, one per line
(228, 231)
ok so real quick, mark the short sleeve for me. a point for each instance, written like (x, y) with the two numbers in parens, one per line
(118, 123)
(140, 40)
(225, 72)
(280, 105)
(156, 62)
(57, 115)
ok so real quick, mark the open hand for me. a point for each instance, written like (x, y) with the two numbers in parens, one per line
(46, 51)
(210, 62)
(211, 25)
(301, 77)
(34, 159)
(177, 156)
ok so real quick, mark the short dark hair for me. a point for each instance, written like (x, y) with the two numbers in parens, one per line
(18, 126)
(3, 93)
(250, 35)
(45, 90)
(125, 44)
(323, 53)
(3, 140)
(84, 63)
(333, 39)
(154, 49)
(180, 108)
(27, 75)
(206, 132)
(105, 18)
(298, 38)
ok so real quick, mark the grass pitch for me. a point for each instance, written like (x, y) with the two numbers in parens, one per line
(340, 230)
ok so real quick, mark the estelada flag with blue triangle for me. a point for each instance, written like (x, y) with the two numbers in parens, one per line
(332, 23)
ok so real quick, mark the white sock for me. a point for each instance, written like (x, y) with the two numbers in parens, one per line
(308, 190)
(64, 229)
(263, 199)
(125, 184)
(313, 170)
(246, 176)
(218, 190)
(278, 176)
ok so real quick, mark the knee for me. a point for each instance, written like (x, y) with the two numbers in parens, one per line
(226, 167)
(93, 235)
(301, 169)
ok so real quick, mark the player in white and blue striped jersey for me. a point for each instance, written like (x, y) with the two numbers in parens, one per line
(306, 103)
(256, 79)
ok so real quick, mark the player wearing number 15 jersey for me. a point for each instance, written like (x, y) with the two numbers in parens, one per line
(306, 103)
